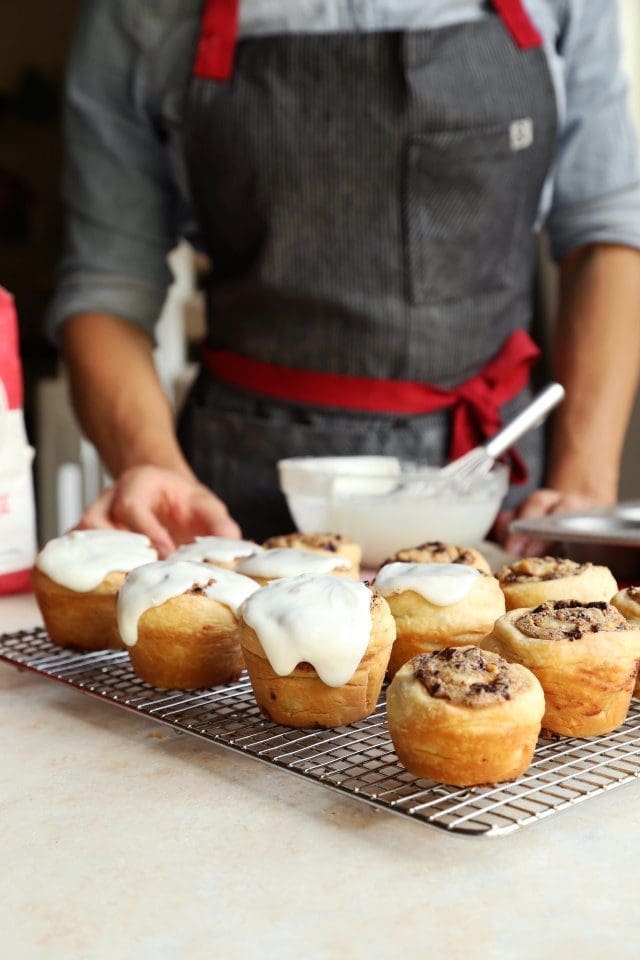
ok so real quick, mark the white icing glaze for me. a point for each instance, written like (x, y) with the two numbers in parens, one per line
(155, 583)
(324, 621)
(291, 562)
(440, 583)
(80, 560)
(216, 550)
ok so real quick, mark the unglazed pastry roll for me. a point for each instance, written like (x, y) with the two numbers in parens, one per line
(290, 562)
(333, 543)
(464, 716)
(532, 580)
(219, 551)
(628, 603)
(316, 650)
(76, 581)
(437, 552)
(179, 621)
(585, 655)
(437, 605)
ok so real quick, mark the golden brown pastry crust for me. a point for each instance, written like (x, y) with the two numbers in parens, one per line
(301, 699)
(334, 543)
(471, 741)
(423, 626)
(186, 643)
(81, 620)
(587, 674)
(532, 580)
(628, 603)
(435, 551)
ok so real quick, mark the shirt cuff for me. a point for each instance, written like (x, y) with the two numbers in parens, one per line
(130, 298)
(614, 219)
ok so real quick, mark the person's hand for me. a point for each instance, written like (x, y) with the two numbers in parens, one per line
(541, 503)
(168, 507)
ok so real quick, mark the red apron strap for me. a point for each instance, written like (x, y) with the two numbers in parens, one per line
(518, 22)
(217, 44)
(476, 403)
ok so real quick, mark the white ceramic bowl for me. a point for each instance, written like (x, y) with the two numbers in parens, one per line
(385, 504)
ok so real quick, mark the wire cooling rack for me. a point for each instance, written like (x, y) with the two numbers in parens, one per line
(357, 760)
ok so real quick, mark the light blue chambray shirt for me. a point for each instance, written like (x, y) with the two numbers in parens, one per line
(125, 186)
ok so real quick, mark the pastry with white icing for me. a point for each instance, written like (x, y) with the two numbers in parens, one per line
(76, 580)
(437, 605)
(464, 716)
(292, 562)
(316, 649)
(333, 543)
(179, 621)
(219, 551)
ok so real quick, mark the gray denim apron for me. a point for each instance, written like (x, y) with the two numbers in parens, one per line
(368, 202)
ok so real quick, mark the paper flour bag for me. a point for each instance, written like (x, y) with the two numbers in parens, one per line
(17, 513)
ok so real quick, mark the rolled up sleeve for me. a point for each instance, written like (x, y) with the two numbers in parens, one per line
(118, 190)
(596, 195)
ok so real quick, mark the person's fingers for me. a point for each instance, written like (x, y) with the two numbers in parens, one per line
(500, 530)
(97, 515)
(133, 514)
(212, 517)
(539, 504)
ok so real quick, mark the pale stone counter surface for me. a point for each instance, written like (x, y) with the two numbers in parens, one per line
(122, 840)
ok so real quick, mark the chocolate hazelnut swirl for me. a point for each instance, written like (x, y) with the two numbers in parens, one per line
(570, 620)
(316, 541)
(434, 552)
(633, 593)
(467, 675)
(540, 569)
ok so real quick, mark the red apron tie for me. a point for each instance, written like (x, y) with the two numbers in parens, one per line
(476, 403)
(219, 34)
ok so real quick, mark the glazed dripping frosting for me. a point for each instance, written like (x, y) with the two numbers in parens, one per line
(216, 550)
(324, 621)
(289, 562)
(155, 583)
(80, 560)
(440, 583)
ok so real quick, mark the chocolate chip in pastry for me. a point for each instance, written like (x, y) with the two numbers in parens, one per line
(532, 580)
(434, 551)
(464, 716)
(585, 656)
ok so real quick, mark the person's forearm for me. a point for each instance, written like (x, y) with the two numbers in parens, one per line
(596, 357)
(117, 395)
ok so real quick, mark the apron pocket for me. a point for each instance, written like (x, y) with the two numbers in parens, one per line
(462, 203)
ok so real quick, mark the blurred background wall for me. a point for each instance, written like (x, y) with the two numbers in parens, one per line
(34, 38)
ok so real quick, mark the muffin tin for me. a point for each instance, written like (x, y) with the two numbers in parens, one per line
(356, 760)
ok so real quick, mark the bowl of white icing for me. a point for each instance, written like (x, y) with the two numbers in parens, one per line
(385, 504)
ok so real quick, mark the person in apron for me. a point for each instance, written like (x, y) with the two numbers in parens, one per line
(368, 203)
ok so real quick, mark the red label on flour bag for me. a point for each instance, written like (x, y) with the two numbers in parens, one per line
(17, 514)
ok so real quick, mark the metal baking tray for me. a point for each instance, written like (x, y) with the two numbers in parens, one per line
(606, 535)
(356, 760)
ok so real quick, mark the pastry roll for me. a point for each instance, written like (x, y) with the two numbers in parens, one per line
(437, 552)
(292, 562)
(219, 551)
(316, 649)
(437, 605)
(179, 621)
(334, 543)
(585, 655)
(532, 580)
(628, 603)
(464, 716)
(76, 580)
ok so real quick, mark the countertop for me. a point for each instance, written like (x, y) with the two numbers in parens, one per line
(121, 839)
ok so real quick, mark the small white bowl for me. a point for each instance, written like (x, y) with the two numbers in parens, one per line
(385, 504)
